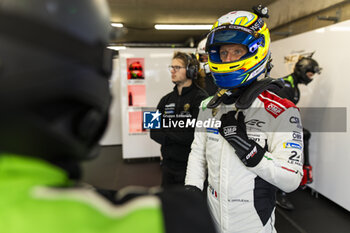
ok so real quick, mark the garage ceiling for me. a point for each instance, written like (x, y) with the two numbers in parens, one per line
(140, 16)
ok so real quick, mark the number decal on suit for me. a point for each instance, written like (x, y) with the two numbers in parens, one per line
(295, 156)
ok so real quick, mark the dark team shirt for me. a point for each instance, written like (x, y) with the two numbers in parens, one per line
(210, 85)
(176, 140)
(290, 90)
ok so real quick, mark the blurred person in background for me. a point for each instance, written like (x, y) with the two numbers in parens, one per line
(304, 71)
(179, 105)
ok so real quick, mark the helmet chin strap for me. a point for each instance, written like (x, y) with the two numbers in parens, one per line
(218, 98)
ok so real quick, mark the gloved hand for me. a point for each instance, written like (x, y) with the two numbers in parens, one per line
(235, 132)
(307, 177)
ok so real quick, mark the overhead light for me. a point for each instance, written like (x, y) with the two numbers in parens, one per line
(115, 47)
(183, 26)
(320, 30)
(117, 25)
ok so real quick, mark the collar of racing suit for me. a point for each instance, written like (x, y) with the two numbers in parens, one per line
(232, 96)
(244, 97)
(255, 89)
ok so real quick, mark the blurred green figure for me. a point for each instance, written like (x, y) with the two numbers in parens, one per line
(55, 98)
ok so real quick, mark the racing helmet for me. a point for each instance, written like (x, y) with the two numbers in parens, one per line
(304, 65)
(202, 56)
(200, 51)
(54, 77)
(239, 27)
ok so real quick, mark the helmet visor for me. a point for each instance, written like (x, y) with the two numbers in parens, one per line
(229, 36)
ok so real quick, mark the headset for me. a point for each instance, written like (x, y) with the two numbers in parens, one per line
(191, 69)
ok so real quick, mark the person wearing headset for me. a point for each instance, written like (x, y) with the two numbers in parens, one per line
(179, 105)
(252, 152)
(55, 99)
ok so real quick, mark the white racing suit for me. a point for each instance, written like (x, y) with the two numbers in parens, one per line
(242, 199)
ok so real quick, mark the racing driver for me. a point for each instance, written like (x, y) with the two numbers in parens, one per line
(256, 148)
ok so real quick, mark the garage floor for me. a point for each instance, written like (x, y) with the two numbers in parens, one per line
(311, 214)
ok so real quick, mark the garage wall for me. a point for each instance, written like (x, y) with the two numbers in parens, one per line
(327, 98)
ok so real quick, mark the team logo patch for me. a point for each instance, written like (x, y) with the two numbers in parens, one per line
(212, 130)
(292, 145)
(252, 153)
(230, 130)
(274, 109)
(297, 136)
(274, 104)
(295, 120)
(255, 122)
